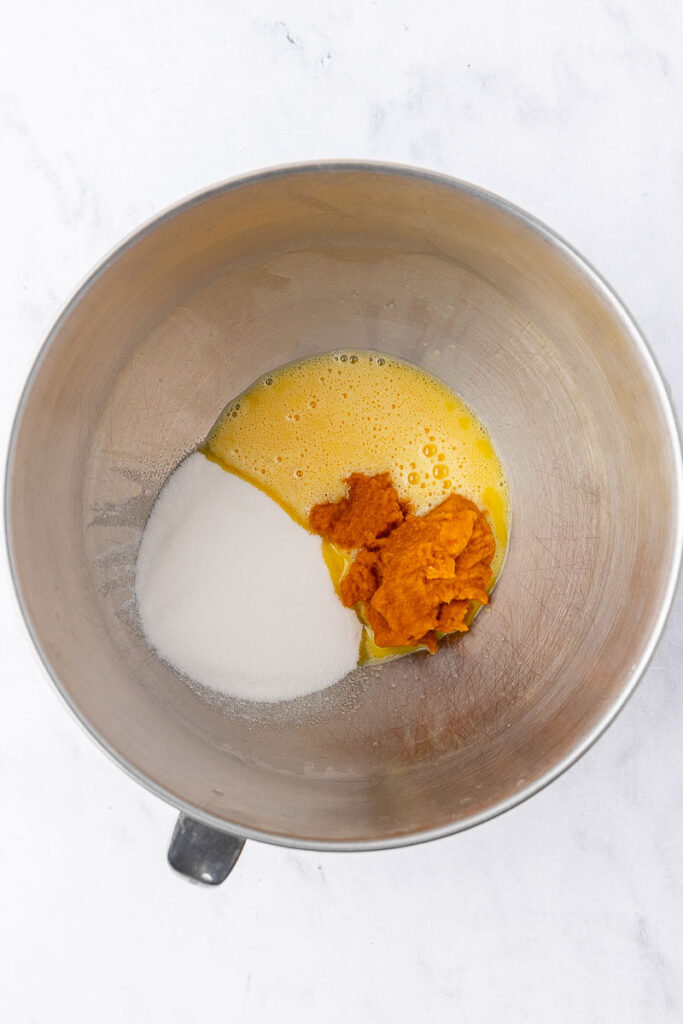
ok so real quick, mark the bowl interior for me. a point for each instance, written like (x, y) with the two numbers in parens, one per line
(252, 275)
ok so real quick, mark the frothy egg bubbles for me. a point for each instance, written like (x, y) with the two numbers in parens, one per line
(355, 411)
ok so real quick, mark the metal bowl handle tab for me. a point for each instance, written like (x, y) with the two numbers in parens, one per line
(201, 853)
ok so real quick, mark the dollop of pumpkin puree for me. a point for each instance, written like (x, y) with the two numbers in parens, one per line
(412, 576)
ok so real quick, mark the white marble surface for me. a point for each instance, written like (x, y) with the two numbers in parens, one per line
(568, 909)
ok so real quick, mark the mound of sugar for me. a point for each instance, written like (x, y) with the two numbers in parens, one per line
(237, 596)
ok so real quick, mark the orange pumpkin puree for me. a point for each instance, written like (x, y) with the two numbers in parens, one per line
(413, 576)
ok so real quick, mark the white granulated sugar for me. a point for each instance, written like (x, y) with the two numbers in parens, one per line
(237, 596)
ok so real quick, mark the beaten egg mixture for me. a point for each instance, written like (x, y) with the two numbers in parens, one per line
(310, 432)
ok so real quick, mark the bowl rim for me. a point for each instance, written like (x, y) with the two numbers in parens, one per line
(629, 327)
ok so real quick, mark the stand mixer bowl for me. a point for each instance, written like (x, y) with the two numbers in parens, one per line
(278, 266)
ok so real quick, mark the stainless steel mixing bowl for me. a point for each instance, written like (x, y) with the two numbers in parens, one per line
(304, 259)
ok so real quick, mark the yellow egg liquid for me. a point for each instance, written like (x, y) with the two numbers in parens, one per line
(300, 430)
